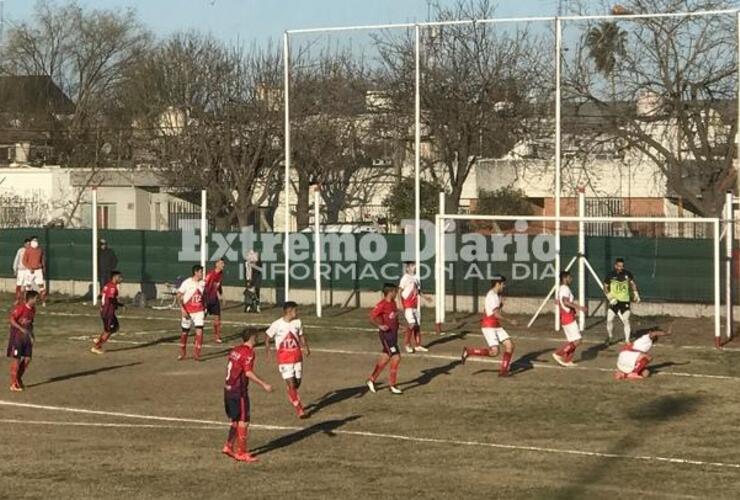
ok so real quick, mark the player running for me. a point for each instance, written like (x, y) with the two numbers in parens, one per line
(492, 330)
(634, 357)
(239, 371)
(108, 306)
(385, 316)
(568, 309)
(213, 293)
(291, 344)
(20, 343)
(617, 286)
(20, 272)
(190, 297)
(410, 288)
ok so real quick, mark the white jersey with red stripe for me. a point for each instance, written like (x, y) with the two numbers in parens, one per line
(492, 305)
(410, 288)
(192, 295)
(567, 314)
(643, 344)
(286, 335)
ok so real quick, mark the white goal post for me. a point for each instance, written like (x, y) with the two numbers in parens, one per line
(440, 239)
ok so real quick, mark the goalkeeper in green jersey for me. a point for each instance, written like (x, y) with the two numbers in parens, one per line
(621, 289)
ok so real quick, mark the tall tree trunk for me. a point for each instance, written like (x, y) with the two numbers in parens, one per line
(303, 215)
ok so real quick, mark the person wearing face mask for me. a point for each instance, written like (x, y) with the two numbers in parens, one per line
(33, 261)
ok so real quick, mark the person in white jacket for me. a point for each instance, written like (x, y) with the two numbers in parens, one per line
(20, 271)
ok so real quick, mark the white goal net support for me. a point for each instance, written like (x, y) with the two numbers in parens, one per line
(680, 261)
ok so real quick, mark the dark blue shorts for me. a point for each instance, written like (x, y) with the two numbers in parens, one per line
(110, 323)
(19, 346)
(213, 308)
(389, 341)
(237, 408)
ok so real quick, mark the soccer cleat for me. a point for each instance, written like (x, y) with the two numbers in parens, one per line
(245, 457)
(409, 349)
(560, 360)
(228, 450)
(421, 348)
(301, 413)
(464, 355)
(371, 386)
(218, 340)
(16, 388)
(504, 374)
(619, 375)
(96, 350)
(181, 356)
(634, 376)
(395, 390)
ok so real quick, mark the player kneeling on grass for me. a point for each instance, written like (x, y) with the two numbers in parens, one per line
(20, 343)
(213, 292)
(190, 296)
(291, 344)
(108, 305)
(635, 356)
(239, 371)
(385, 316)
(494, 334)
(568, 308)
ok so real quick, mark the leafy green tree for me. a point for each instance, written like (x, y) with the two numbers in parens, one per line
(400, 201)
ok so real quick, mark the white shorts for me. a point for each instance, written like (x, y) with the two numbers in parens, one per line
(196, 319)
(572, 332)
(34, 278)
(627, 360)
(20, 277)
(291, 370)
(412, 316)
(495, 336)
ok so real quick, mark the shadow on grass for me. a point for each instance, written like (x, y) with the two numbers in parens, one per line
(144, 345)
(327, 427)
(85, 373)
(430, 374)
(335, 397)
(593, 352)
(522, 364)
(447, 338)
(658, 411)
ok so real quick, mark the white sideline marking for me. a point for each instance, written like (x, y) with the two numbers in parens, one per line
(379, 435)
(445, 357)
(104, 424)
(556, 338)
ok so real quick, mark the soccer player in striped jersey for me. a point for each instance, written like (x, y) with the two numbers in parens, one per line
(568, 309)
(108, 305)
(213, 292)
(291, 344)
(634, 358)
(239, 371)
(190, 297)
(410, 288)
(492, 330)
(20, 342)
(385, 316)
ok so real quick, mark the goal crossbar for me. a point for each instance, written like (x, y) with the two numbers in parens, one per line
(584, 266)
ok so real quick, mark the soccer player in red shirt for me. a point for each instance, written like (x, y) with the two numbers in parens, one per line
(33, 261)
(385, 316)
(213, 293)
(20, 343)
(108, 305)
(190, 297)
(291, 345)
(239, 371)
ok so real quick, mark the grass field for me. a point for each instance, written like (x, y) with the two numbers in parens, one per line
(138, 423)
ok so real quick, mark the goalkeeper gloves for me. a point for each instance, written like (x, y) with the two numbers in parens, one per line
(611, 298)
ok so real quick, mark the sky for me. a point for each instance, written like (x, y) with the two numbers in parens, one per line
(262, 20)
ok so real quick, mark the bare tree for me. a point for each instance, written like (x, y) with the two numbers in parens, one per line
(666, 96)
(208, 116)
(480, 91)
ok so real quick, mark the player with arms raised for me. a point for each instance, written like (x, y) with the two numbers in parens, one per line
(492, 330)
(190, 297)
(108, 305)
(213, 294)
(634, 358)
(239, 371)
(410, 288)
(287, 332)
(20, 343)
(568, 309)
(385, 316)
(617, 286)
